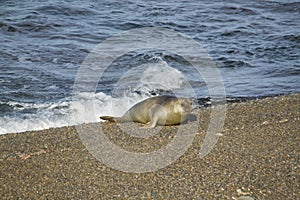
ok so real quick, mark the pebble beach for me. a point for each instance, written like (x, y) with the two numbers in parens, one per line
(256, 157)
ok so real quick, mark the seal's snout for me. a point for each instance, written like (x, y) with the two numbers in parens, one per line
(187, 106)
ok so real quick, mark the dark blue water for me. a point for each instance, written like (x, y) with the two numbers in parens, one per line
(255, 45)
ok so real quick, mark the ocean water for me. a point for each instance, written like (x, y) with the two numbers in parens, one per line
(255, 46)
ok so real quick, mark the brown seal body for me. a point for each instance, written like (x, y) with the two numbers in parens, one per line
(160, 110)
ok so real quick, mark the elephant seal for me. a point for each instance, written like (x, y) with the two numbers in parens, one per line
(160, 110)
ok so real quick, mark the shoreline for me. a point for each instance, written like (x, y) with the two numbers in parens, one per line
(256, 156)
(204, 102)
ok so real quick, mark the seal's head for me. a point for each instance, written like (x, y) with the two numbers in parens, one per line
(183, 106)
(177, 110)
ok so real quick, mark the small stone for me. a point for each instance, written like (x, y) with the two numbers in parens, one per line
(265, 123)
(245, 198)
(283, 120)
(240, 192)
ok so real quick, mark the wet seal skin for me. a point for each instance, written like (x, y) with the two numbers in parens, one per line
(160, 110)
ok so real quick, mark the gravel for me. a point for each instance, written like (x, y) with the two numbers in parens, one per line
(256, 157)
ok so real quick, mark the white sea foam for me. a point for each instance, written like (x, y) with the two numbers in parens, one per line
(150, 77)
(86, 107)
(160, 76)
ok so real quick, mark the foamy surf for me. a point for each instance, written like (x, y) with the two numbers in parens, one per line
(86, 107)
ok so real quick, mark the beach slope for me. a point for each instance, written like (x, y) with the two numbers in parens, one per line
(256, 156)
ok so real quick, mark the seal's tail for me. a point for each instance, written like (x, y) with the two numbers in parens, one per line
(108, 118)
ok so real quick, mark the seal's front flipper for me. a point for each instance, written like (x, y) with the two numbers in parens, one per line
(153, 117)
(151, 124)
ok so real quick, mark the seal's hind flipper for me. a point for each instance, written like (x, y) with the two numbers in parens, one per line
(108, 118)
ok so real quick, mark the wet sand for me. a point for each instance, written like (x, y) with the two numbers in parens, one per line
(256, 157)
